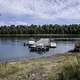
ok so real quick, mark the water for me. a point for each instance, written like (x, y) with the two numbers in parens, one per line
(12, 48)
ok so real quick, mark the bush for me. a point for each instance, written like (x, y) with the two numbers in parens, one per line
(77, 47)
(70, 72)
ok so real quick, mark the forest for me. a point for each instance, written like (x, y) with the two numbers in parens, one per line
(40, 29)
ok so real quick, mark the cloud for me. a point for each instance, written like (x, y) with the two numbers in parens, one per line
(13, 23)
(42, 9)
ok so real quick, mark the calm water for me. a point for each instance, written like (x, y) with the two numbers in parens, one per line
(12, 48)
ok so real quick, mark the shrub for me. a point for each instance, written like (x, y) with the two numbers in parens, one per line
(70, 72)
(77, 47)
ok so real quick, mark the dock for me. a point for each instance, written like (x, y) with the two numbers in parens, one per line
(43, 41)
(41, 45)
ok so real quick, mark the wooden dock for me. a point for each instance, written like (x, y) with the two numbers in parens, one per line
(43, 42)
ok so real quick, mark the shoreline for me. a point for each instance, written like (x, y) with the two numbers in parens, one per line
(42, 35)
(27, 69)
(56, 37)
(17, 59)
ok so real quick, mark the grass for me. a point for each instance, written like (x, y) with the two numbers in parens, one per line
(58, 67)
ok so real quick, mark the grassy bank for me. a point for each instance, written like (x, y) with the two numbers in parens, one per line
(45, 68)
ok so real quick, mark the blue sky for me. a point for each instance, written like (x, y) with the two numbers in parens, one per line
(39, 12)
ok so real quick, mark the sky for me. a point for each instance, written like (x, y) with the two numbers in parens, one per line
(39, 12)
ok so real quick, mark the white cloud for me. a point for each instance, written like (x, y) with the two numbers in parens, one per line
(50, 9)
(13, 23)
(17, 23)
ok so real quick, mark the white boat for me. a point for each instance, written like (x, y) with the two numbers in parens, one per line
(29, 43)
(53, 45)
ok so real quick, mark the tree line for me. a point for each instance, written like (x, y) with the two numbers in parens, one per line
(40, 29)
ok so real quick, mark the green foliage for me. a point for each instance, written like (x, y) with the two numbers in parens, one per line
(77, 46)
(40, 29)
(70, 71)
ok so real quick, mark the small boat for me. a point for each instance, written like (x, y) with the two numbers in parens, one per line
(53, 45)
(29, 43)
(33, 46)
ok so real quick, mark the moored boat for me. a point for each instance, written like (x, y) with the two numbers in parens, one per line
(29, 43)
(53, 45)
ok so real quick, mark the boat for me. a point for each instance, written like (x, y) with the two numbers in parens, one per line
(53, 45)
(29, 43)
(41, 45)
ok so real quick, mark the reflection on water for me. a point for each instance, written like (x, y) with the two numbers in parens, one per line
(12, 48)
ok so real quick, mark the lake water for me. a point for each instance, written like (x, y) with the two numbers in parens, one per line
(12, 48)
